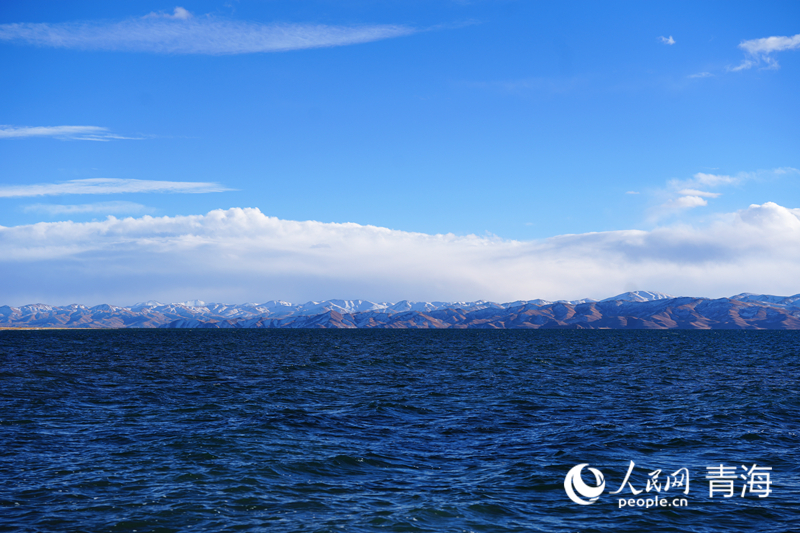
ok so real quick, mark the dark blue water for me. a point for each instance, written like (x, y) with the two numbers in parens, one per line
(287, 430)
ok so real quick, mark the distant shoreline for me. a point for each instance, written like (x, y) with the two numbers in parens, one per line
(633, 310)
(28, 328)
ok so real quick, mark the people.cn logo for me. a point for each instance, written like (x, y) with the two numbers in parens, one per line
(574, 484)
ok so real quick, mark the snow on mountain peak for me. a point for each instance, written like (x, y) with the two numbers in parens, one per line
(783, 301)
(639, 296)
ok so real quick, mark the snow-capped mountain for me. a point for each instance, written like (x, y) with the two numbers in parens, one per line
(637, 309)
(781, 301)
(639, 296)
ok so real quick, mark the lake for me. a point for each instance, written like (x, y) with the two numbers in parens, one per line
(399, 430)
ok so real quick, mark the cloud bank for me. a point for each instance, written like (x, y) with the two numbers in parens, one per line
(78, 133)
(108, 186)
(241, 255)
(182, 33)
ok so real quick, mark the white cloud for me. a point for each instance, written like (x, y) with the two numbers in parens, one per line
(680, 195)
(695, 192)
(178, 14)
(239, 255)
(670, 41)
(685, 202)
(713, 180)
(80, 133)
(701, 75)
(786, 170)
(108, 186)
(100, 208)
(181, 33)
(768, 45)
(705, 180)
(760, 51)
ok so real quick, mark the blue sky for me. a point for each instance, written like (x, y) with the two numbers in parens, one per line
(504, 126)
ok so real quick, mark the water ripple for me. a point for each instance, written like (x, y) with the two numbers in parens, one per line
(248, 430)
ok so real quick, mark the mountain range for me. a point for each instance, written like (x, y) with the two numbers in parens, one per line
(630, 310)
